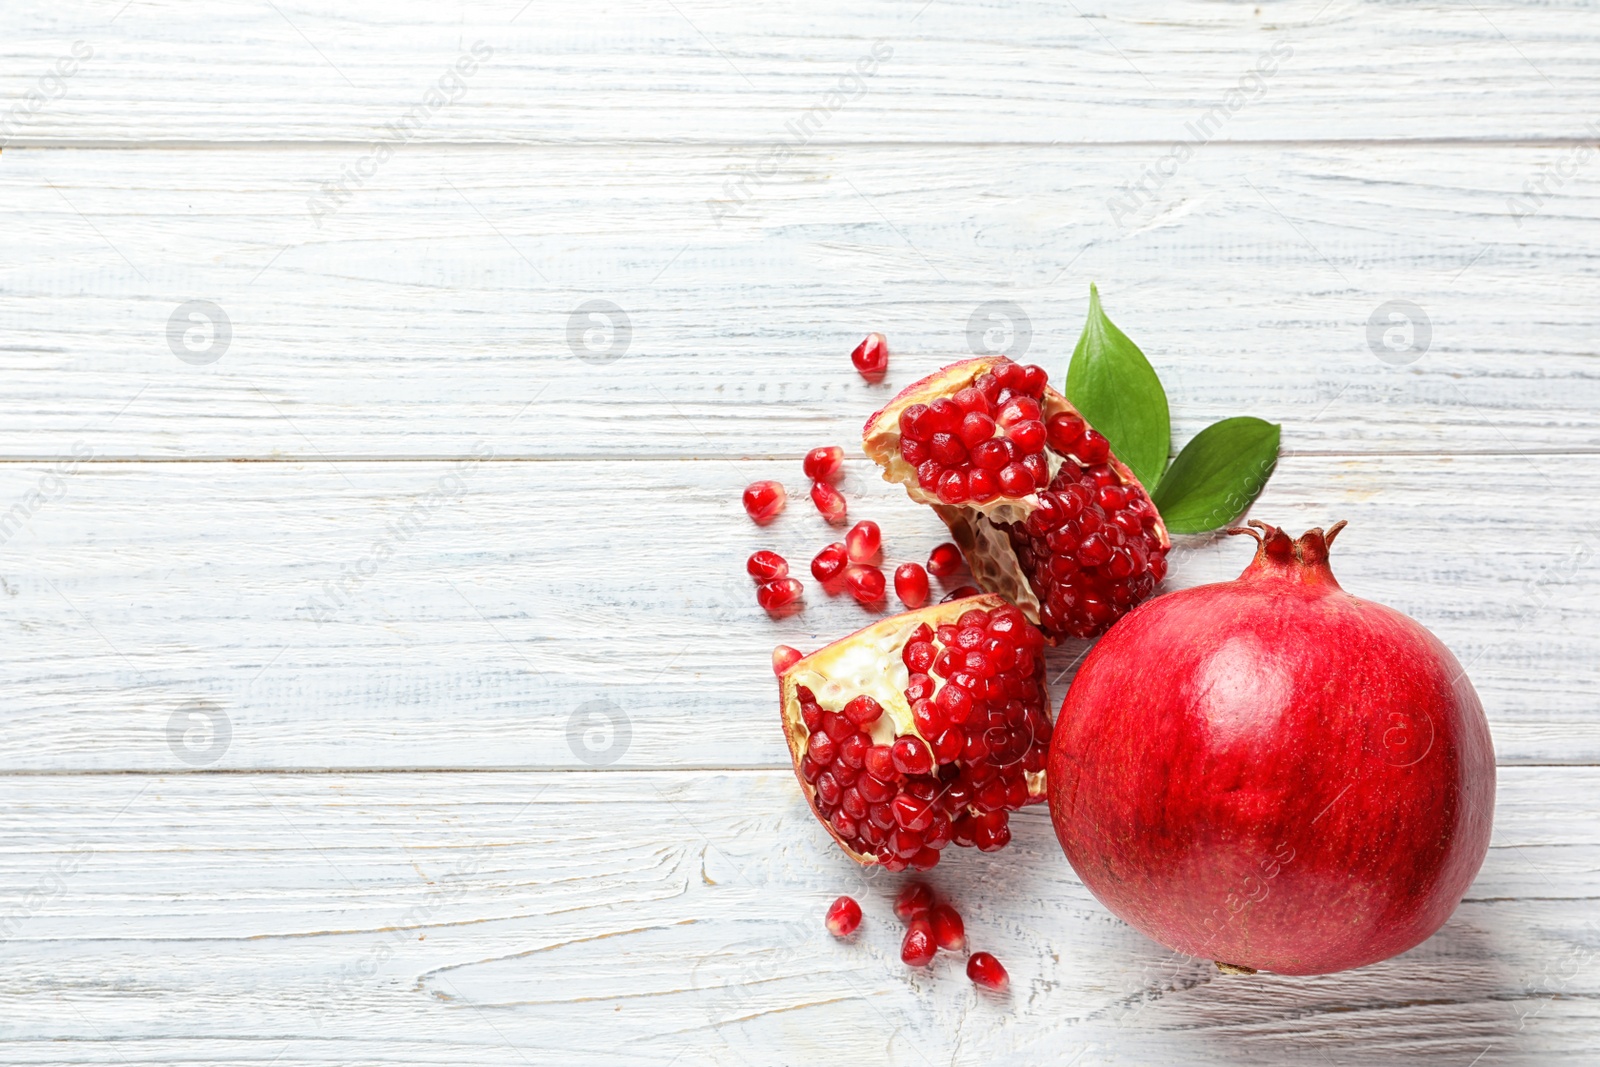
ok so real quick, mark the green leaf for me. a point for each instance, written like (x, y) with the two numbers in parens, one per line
(1111, 383)
(1218, 475)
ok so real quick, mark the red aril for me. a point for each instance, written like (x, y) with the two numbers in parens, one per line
(824, 464)
(871, 357)
(829, 501)
(985, 971)
(918, 948)
(844, 916)
(928, 755)
(911, 584)
(864, 583)
(944, 560)
(764, 566)
(948, 929)
(784, 657)
(779, 593)
(863, 541)
(1273, 773)
(961, 592)
(830, 562)
(914, 902)
(1046, 516)
(764, 500)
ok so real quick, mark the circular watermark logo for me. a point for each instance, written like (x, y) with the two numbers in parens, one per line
(599, 332)
(1399, 332)
(999, 328)
(599, 733)
(199, 332)
(1401, 738)
(199, 734)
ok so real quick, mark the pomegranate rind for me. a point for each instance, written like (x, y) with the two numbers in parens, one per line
(974, 526)
(886, 637)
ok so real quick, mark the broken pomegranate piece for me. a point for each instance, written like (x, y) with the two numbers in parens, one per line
(921, 730)
(1046, 516)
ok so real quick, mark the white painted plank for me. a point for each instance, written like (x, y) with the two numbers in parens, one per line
(608, 917)
(438, 302)
(534, 593)
(565, 71)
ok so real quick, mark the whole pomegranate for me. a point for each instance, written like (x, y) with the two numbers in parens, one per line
(921, 730)
(1273, 773)
(1047, 516)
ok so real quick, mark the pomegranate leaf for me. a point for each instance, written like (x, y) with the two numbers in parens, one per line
(1217, 475)
(1113, 386)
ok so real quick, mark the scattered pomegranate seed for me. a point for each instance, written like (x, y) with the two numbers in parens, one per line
(871, 357)
(764, 500)
(918, 948)
(914, 902)
(948, 929)
(864, 582)
(843, 917)
(829, 562)
(944, 560)
(911, 584)
(959, 592)
(985, 971)
(764, 566)
(779, 593)
(784, 657)
(829, 501)
(863, 541)
(824, 464)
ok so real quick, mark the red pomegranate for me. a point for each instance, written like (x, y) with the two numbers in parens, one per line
(921, 730)
(1048, 518)
(1273, 773)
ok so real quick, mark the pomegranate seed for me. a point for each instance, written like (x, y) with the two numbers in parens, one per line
(926, 859)
(829, 501)
(829, 562)
(948, 929)
(945, 559)
(960, 593)
(863, 711)
(784, 657)
(914, 902)
(778, 594)
(918, 948)
(863, 541)
(843, 917)
(764, 566)
(764, 500)
(911, 584)
(1029, 436)
(865, 583)
(1093, 448)
(824, 464)
(910, 756)
(871, 357)
(1064, 431)
(985, 971)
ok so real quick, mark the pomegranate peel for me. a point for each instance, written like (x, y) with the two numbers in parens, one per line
(921, 730)
(1272, 772)
(1046, 516)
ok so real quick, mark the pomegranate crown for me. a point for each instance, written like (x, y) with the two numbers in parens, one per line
(1277, 552)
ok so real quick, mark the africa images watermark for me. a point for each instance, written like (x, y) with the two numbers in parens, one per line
(51, 487)
(1145, 191)
(450, 87)
(450, 487)
(852, 86)
(49, 86)
(1551, 177)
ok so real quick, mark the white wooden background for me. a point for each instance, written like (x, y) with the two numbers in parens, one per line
(391, 849)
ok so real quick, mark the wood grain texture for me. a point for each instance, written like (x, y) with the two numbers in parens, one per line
(603, 917)
(441, 299)
(565, 71)
(525, 598)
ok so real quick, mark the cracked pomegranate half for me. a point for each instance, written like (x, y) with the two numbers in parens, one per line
(1047, 517)
(921, 730)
